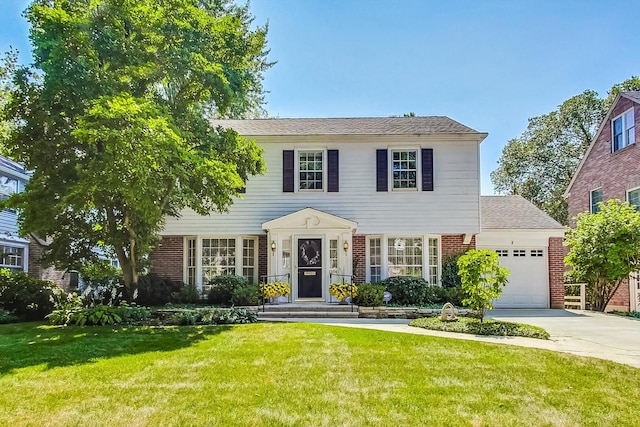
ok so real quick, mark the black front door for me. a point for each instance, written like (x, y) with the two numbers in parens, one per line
(310, 268)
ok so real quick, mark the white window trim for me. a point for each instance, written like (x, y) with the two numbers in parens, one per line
(591, 198)
(625, 141)
(629, 191)
(25, 255)
(418, 151)
(384, 254)
(238, 258)
(296, 180)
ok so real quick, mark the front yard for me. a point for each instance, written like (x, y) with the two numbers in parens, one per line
(297, 374)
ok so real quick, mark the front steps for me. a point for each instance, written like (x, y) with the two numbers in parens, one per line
(304, 310)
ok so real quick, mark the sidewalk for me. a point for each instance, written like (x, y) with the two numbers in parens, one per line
(581, 333)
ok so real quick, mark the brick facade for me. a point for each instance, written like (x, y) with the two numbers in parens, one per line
(556, 253)
(167, 259)
(454, 244)
(263, 254)
(613, 173)
(359, 253)
(39, 271)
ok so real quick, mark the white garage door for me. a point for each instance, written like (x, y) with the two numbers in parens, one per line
(528, 285)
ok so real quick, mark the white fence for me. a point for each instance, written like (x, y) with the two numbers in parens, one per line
(576, 301)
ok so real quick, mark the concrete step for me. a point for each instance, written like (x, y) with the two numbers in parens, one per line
(307, 314)
(307, 307)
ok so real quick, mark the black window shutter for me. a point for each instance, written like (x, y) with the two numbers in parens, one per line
(427, 169)
(382, 171)
(333, 171)
(288, 171)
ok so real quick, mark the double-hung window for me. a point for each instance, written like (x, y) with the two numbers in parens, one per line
(12, 257)
(633, 197)
(623, 130)
(404, 164)
(310, 170)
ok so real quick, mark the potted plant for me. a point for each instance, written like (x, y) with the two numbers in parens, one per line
(342, 291)
(275, 290)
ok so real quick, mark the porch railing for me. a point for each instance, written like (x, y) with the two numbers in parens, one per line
(344, 279)
(286, 278)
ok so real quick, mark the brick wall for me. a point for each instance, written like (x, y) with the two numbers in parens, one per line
(263, 253)
(614, 173)
(557, 252)
(43, 272)
(454, 244)
(621, 299)
(359, 253)
(167, 259)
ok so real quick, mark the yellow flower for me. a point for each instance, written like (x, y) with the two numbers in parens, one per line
(273, 289)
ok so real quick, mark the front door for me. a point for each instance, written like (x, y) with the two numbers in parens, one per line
(310, 268)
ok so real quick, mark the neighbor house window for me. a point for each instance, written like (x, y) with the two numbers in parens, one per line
(404, 256)
(596, 197)
(404, 164)
(218, 258)
(633, 197)
(623, 130)
(12, 258)
(310, 170)
(375, 260)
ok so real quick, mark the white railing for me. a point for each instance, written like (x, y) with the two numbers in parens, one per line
(576, 301)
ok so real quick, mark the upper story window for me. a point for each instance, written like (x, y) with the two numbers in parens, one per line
(596, 197)
(404, 168)
(310, 169)
(623, 130)
(8, 186)
(633, 197)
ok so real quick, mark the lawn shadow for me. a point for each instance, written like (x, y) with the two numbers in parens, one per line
(31, 344)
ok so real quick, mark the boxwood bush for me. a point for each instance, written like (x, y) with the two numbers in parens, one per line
(370, 295)
(407, 290)
(230, 290)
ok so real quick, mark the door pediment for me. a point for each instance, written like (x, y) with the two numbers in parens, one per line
(310, 219)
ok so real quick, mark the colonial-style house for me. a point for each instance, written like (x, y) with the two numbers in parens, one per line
(610, 169)
(14, 249)
(365, 199)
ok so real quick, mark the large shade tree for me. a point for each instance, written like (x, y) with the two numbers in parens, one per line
(540, 163)
(113, 120)
(604, 249)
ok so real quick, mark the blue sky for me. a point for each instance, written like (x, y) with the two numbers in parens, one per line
(488, 64)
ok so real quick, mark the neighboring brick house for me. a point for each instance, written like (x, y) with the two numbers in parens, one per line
(367, 198)
(610, 169)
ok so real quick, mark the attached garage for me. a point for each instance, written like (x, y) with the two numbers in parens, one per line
(520, 233)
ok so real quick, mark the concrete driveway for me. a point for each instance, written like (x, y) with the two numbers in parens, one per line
(582, 333)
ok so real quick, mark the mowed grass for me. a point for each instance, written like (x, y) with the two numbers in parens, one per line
(274, 374)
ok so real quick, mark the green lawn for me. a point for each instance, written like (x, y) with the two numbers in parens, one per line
(297, 374)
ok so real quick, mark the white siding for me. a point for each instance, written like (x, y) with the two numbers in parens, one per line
(453, 206)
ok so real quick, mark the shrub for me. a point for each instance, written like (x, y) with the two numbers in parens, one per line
(453, 295)
(101, 273)
(246, 295)
(223, 288)
(370, 295)
(7, 317)
(155, 291)
(28, 298)
(213, 316)
(449, 277)
(189, 294)
(407, 290)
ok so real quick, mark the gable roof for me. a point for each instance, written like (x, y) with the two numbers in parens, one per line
(427, 125)
(17, 169)
(309, 218)
(633, 96)
(514, 213)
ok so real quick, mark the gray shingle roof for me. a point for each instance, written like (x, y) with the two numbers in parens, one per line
(632, 95)
(348, 126)
(514, 213)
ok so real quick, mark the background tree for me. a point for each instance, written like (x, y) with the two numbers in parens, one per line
(7, 69)
(117, 128)
(539, 164)
(482, 279)
(604, 249)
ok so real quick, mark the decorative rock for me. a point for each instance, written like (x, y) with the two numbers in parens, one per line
(448, 313)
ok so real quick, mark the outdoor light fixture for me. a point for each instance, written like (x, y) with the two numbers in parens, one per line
(345, 246)
(273, 246)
